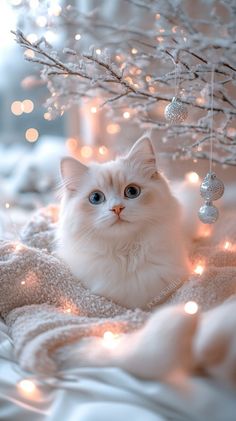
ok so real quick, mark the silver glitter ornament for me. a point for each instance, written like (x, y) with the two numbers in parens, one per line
(176, 112)
(212, 188)
(208, 213)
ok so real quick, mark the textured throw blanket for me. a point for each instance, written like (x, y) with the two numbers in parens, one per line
(46, 308)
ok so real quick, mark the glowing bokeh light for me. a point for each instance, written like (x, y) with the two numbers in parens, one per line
(126, 115)
(192, 177)
(31, 135)
(17, 108)
(199, 269)
(113, 128)
(86, 151)
(27, 106)
(191, 307)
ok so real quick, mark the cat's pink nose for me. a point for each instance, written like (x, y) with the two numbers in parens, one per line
(117, 209)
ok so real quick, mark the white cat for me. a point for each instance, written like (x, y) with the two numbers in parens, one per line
(120, 227)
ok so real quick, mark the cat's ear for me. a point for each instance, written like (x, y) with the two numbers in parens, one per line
(71, 172)
(142, 154)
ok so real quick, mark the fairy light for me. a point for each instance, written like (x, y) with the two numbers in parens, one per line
(41, 21)
(191, 307)
(55, 10)
(77, 37)
(50, 36)
(134, 50)
(71, 144)
(27, 387)
(16, 108)
(110, 340)
(113, 128)
(32, 38)
(98, 51)
(192, 177)
(29, 53)
(93, 110)
(148, 78)
(158, 15)
(86, 151)
(7, 205)
(199, 269)
(126, 115)
(31, 135)
(27, 106)
(103, 150)
(47, 116)
(227, 245)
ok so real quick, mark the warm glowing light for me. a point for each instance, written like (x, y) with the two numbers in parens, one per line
(19, 247)
(199, 269)
(191, 307)
(86, 151)
(71, 144)
(41, 21)
(22, 282)
(192, 177)
(31, 135)
(93, 110)
(102, 150)
(7, 205)
(113, 128)
(68, 310)
(118, 58)
(47, 116)
(148, 78)
(134, 51)
(158, 15)
(126, 114)
(50, 36)
(77, 37)
(29, 53)
(27, 386)
(32, 38)
(16, 108)
(160, 39)
(28, 106)
(55, 10)
(110, 340)
(98, 51)
(227, 245)
(161, 30)
(174, 29)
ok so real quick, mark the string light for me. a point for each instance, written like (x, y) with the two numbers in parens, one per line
(41, 21)
(86, 151)
(93, 110)
(126, 114)
(191, 307)
(227, 245)
(103, 150)
(192, 177)
(16, 108)
(98, 51)
(134, 51)
(7, 205)
(158, 15)
(113, 128)
(22, 282)
(27, 106)
(77, 37)
(50, 36)
(47, 116)
(32, 38)
(55, 10)
(110, 340)
(29, 53)
(31, 135)
(27, 387)
(199, 269)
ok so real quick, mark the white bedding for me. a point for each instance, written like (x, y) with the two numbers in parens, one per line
(107, 394)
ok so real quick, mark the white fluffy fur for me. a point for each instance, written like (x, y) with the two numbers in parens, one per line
(130, 259)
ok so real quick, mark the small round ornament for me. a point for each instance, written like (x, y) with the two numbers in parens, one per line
(208, 213)
(176, 112)
(212, 188)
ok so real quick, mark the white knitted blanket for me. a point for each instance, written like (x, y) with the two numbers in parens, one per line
(46, 308)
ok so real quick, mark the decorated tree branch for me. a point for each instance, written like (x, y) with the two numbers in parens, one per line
(152, 55)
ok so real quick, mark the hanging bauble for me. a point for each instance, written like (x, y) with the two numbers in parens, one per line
(176, 112)
(212, 188)
(208, 213)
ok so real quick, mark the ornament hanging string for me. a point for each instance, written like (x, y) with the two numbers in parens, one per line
(212, 119)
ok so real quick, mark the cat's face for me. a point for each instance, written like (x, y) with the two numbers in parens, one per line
(118, 198)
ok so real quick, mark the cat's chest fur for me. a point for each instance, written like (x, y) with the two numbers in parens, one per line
(131, 275)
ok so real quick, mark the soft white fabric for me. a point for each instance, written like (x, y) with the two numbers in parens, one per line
(108, 394)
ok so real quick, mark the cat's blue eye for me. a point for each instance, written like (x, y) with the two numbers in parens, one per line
(132, 191)
(97, 197)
